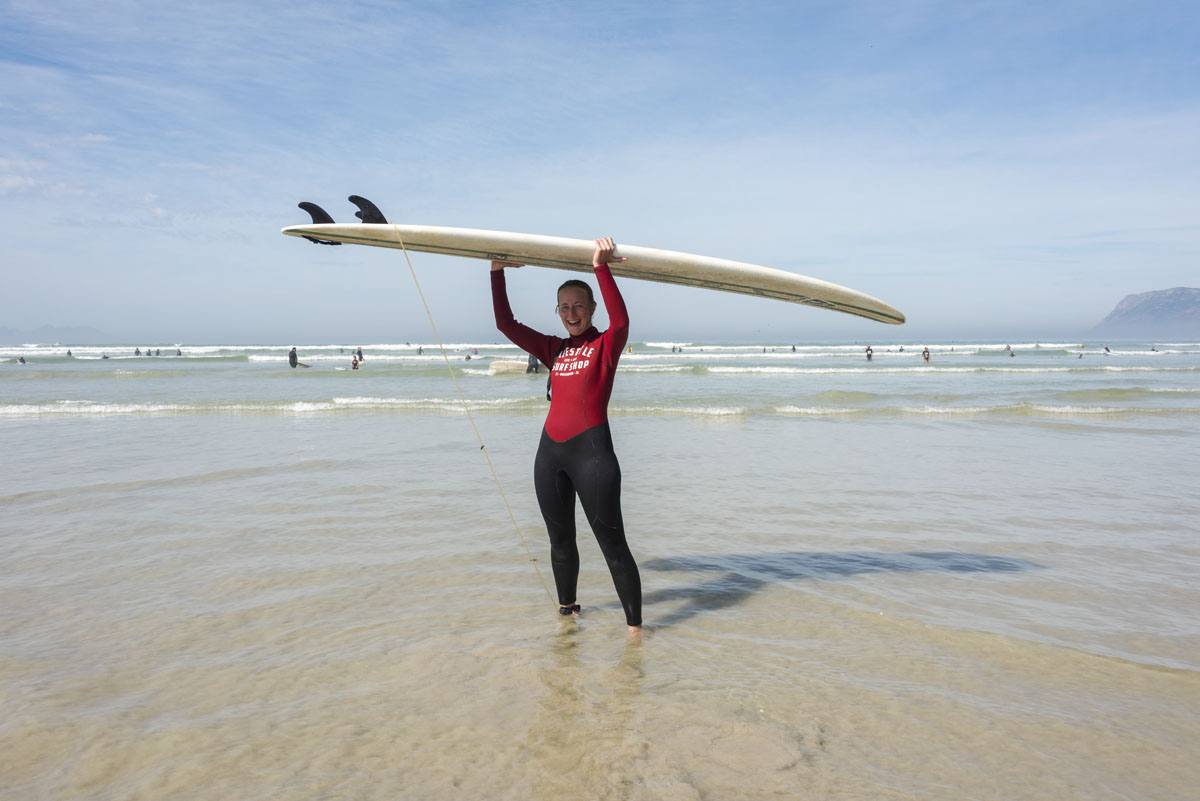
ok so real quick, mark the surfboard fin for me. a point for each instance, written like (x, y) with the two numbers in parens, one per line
(368, 212)
(319, 217)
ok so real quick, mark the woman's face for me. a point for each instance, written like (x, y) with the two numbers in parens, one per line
(574, 310)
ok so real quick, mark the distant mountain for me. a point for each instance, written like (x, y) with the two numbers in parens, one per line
(1173, 313)
(49, 334)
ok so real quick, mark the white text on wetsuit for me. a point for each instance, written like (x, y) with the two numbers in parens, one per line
(573, 360)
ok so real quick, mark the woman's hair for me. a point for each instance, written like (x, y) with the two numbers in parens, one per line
(584, 285)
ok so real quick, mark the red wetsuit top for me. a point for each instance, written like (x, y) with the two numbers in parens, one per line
(581, 378)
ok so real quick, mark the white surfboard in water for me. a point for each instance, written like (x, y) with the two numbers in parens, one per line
(647, 264)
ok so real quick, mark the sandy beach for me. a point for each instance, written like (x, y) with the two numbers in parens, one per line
(968, 579)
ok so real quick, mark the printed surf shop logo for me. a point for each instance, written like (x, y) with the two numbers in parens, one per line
(573, 361)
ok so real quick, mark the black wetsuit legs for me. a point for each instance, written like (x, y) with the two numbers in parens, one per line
(586, 465)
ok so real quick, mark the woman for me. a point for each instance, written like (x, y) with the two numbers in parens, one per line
(576, 456)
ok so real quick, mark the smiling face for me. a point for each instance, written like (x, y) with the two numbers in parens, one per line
(575, 309)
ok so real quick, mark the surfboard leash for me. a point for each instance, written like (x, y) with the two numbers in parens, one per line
(471, 418)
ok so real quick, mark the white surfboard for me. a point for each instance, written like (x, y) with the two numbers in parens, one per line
(508, 366)
(647, 264)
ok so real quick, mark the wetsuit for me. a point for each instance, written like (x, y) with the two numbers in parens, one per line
(575, 456)
(292, 360)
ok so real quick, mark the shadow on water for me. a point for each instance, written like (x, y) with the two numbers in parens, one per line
(742, 575)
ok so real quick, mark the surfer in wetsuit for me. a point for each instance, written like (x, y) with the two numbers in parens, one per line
(293, 359)
(925, 355)
(575, 456)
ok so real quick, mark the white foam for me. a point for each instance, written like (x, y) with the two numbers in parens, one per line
(368, 360)
(374, 401)
(657, 368)
(704, 411)
(94, 409)
(819, 411)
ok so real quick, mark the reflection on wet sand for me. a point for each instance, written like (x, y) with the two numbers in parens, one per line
(584, 738)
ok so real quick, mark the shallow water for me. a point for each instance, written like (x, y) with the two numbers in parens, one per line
(974, 579)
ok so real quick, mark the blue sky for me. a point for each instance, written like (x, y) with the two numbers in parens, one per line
(992, 169)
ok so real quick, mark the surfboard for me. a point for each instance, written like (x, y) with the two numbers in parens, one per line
(642, 263)
(508, 366)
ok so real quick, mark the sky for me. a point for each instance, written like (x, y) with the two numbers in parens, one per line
(992, 169)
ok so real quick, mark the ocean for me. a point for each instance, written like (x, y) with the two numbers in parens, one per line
(972, 577)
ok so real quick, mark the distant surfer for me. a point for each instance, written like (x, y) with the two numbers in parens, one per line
(870, 353)
(137, 351)
(925, 354)
(21, 360)
(178, 352)
(532, 365)
(354, 362)
(1106, 350)
(293, 359)
(575, 456)
(69, 354)
(420, 351)
(358, 353)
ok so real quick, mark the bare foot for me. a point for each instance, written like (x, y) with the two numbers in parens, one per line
(635, 632)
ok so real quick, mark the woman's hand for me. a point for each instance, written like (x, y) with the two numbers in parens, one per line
(500, 265)
(605, 248)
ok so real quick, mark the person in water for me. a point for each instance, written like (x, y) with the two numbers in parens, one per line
(358, 353)
(925, 354)
(532, 366)
(293, 359)
(69, 354)
(870, 352)
(353, 362)
(575, 455)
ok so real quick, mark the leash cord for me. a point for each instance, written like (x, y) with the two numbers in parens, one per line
(471, 418)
